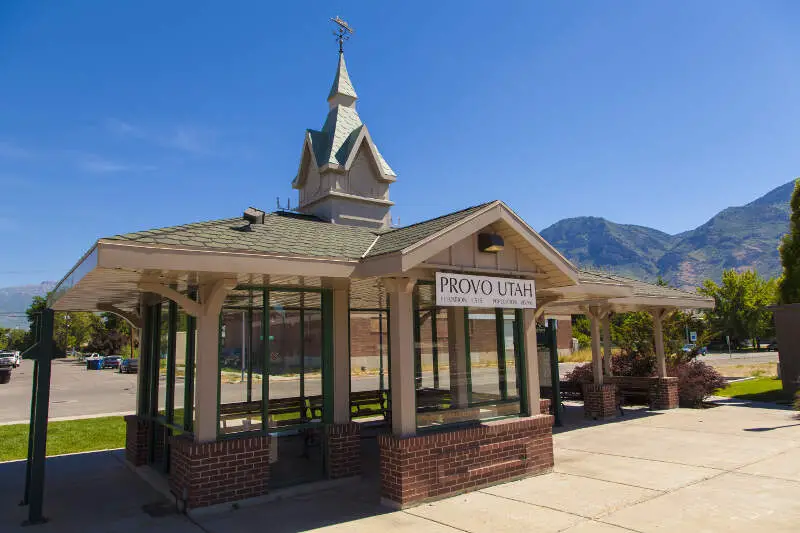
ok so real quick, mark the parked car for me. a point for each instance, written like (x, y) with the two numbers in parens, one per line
(7, 364)
(773, 346)
(15, 356)
(129, 366)
(112, 361)
(694, 349)
(94, 362)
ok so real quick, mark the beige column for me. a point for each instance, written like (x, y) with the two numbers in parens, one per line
(207, 359)
(401, 329)
(531, 362)
(341, 350)
(658, 339)
(607, 345)
(457, 348)
(597, 360)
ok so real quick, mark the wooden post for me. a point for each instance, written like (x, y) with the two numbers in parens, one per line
(607, 368)
(403, 391)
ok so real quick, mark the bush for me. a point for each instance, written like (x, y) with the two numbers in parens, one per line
(696, 381)
(580, 374)
(633, 364)
(584, 340)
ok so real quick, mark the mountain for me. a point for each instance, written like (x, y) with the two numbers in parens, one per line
(745, 237)
(15, 300)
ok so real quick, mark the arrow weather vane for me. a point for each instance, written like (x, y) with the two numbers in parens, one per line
(342, 33)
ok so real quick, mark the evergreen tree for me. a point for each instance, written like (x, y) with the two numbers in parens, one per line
(789, 284)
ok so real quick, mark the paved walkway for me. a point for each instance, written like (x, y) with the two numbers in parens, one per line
(731, 468)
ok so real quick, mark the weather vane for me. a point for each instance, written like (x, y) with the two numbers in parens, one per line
(342, 33)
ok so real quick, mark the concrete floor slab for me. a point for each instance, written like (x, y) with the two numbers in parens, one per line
(783, 466)
(478, 512)
(398, 521)
(578, 495)
(654, 475)
(774, 423)
(592, 526)
(731, 502)
(672, 445)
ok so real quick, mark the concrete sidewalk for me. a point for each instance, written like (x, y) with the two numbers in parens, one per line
(731, 468)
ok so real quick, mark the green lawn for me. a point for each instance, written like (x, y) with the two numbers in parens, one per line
(68, 436)
(759, 389)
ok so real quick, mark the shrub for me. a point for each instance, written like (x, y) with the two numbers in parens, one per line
(584, 340)
(580, 374)
(696, 381)
(633, 364)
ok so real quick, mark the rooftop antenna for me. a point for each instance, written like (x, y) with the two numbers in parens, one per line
(342, 33)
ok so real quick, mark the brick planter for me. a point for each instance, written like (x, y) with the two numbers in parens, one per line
(599, 401)
(208, 473)
(544, 406)
(343, 450)
(136, 440)
(427, 467)
(664, 393)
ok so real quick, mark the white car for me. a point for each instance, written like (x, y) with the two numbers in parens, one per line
(16, 358)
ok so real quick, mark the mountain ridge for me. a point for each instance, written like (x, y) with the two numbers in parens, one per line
(739, 237)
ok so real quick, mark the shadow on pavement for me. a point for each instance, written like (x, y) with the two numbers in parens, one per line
(86, 493)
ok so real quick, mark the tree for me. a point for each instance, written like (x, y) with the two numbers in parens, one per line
(789, 284)
(740, 305)
(581, 330)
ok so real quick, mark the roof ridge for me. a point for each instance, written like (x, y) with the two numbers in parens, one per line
(387, 232)
(629, 278)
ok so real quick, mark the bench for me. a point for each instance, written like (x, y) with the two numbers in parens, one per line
(369, 403)
(631, 391)
(240, 410)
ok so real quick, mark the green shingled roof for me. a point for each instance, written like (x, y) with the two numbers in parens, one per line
(281, 233)
(398, 239)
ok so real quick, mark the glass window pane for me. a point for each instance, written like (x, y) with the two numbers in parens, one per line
(369, 363)
(482, 333)
(163, 344)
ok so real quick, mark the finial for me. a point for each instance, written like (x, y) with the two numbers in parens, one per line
(342, 33)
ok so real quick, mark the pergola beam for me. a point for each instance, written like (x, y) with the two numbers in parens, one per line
(133, 319)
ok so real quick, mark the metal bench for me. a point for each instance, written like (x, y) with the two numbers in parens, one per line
(369, 403)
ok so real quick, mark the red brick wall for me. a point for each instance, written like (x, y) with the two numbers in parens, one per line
(544, 406)
(344, 450)
(419, 468)
(599, 401)
(208, 473)
(664, 393)
(564, 334)
(136, 440)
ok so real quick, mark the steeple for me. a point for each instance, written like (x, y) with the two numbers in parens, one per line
(342, 177)
(342, 91)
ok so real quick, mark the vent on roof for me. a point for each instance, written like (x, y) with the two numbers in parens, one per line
(254, 216)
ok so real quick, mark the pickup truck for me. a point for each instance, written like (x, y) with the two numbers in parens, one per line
(8, 361)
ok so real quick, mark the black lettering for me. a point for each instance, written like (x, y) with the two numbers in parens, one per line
(453, 286)
(443, 282)
(527, 290)
(486, 287)
(461, 285)
(473, 283)
(502, 288)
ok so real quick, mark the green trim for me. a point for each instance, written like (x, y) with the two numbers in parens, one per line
(389, 354)
(172, 326)
(468, 355)
(303, 364)
(143, 392)
(247, 344)
(265, 359)
(327, 356)
(522, 362)
(500, 332)
(189, 372)
(417, 324)
(435, 347)
(555, 381)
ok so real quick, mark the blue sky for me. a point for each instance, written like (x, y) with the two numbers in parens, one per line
(122, 116)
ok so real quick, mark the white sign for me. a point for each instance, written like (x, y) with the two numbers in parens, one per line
(456, 290)
(692, 336)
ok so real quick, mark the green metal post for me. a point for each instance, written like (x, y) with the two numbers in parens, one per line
(417, 342)
(37, 331)
(265, 361)
(248, 344)
(468, 351)
(521, 360)
(501, 352)
(303, 364)
(435, 349)
(552, 342)
(172, 327)
(43, 356)
(188, 374)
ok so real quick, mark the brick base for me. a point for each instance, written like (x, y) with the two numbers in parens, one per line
(208, 473)
(343, 450)
(664, 393)
(136, 440)
(599, 401)
(420, 468)
(544, 406)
